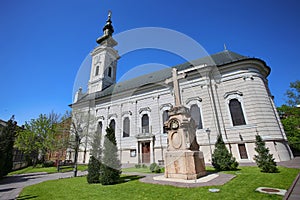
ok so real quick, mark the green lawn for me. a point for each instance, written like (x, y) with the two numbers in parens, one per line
(49, 170)
(133, 169)
(242, 187)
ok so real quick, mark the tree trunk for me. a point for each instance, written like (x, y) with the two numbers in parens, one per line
(77, 140)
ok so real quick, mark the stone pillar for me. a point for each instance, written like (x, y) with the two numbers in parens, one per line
(151, 152)
(183, 160)
(140, 152)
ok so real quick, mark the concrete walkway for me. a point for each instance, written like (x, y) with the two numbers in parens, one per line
(11, 186)
(294, 192)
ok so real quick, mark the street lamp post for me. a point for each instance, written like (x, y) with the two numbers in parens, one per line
(208, 135)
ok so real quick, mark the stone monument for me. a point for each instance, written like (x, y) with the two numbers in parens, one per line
(183, 160)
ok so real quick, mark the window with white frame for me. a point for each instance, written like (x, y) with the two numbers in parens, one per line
(97, 71)
(236, 112)
(109, 72)
(145, 123)
(99, 128)
(196, 115)
(126, 127)
(112, 124)
(165, 118)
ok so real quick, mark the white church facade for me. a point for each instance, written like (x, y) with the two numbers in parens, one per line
(231, 98)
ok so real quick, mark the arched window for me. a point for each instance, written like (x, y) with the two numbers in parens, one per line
(165, 117)
(97, 71)
(145, 123)
(126, 127)
(236, 112)
(99, 128)
(109, 72)
(196, 115)
(112, 124)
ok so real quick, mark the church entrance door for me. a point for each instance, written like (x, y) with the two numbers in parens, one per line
(146, 152)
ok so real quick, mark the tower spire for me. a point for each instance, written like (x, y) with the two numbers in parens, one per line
(108, 29)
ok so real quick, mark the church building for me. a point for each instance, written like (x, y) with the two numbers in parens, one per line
(231, 98)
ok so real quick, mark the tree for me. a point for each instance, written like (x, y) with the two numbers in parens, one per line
(293, 94)
(290, 119)
(264, 159)
(61, 140)
(290, 115)
(222, 160)
(7, 135)
(93, 170)
(37, 137)
(79, 133)
(111, 166)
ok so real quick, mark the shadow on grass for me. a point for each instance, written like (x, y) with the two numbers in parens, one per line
(125, 179)
(214, 171)
(23, 197)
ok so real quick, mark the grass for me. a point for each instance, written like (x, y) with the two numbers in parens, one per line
(48, 170)
(139, 170)
(242, 187)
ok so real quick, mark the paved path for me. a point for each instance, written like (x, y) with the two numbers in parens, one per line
(11, 186)
(221, 179)
(294, 192)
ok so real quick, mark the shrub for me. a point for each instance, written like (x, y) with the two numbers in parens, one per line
(93, 170)
(137, 166)
(222, 160)
(152, 167)
(144, 166)
(157, 169)
(48, 163)
(7, 135)
(264, 159)
(111, 167)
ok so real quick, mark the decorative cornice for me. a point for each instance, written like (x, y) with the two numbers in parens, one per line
(168, 105)
(101, 118)
(236, 92)
(112, 116)
(126, 113)
(193, 99)
(147, 109)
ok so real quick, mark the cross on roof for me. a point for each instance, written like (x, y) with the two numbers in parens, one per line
(175, 79)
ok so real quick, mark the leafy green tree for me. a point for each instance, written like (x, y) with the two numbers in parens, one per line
(222, 159)
(37, 137)
(290, 115)
(93, 170)
(264, 159)
(293, 94)
(111, 166)
(7, 135)
(290, 119)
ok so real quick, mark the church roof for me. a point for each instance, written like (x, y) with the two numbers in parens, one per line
(219, 59)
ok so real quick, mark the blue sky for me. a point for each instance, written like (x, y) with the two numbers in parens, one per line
(43, 43)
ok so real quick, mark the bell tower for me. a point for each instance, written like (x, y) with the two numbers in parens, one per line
(104, 60)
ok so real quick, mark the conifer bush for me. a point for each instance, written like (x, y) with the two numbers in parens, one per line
(93, 170)
(152, 167)
(222, 159)
(264, 159)
(111, 165)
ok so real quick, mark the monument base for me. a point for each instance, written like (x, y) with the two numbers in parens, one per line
(184, 164)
